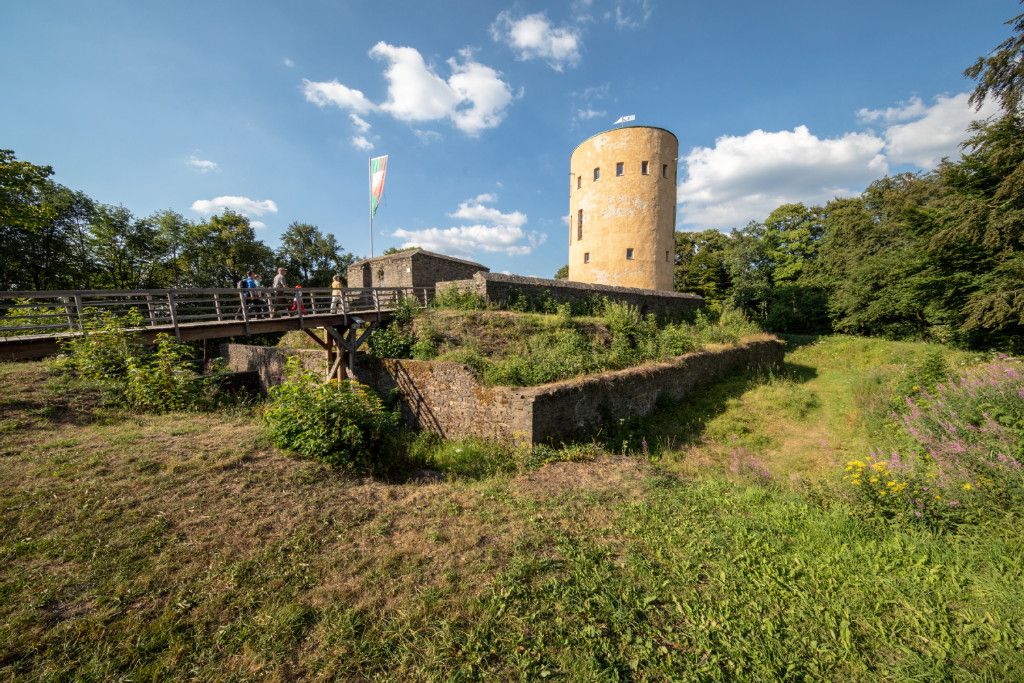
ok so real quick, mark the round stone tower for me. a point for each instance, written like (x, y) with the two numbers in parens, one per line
(622, 208)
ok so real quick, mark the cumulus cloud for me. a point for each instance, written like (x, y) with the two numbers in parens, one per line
(745, 177)
(360, 142)
(491, 231)
(257, 225)
(533, 37)
(911, 109)
(933, 132)
(474, 97)
(332, 92)
(202, 165)
(242, 205)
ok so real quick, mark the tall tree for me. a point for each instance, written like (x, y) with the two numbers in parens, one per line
(218, 253)
(311, 257)
(123, 247)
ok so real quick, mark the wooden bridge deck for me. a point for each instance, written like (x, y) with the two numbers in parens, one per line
(33, 324)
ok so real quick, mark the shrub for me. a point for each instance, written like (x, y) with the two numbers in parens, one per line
(164, 380)
(459, 300)
(341, 423)
(545, 357)
(966, 465)
(405, 310)
(392, 341)
(675, 340)
(106, 348)
(470, 357)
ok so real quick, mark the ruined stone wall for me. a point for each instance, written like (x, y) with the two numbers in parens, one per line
(447, 399)
(428, 270)
(501, 289)
(576, 408)
(627, 235)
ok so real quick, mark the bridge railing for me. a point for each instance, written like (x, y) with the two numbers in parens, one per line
(51, 313)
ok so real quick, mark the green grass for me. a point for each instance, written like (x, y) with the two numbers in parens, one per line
(185, 546)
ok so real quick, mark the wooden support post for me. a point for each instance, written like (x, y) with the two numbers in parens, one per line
(174, 315)
(78, 310)
(149, 309)
(216, 304)
(69, 311)
(245, 312)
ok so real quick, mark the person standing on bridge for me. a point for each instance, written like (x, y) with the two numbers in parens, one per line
(279, 298)
(336, 294)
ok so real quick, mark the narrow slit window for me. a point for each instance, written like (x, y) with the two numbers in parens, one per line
(579, 182)
(643, 168)
(579, 225)
(597, 173)
(619, 168)
(586, 257)
(666, 257)
(629, 254)
(664, 170)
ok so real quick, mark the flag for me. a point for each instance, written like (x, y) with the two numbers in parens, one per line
(625, 119)
(378, 169)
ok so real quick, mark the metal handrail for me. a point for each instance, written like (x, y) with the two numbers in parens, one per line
(38, 312)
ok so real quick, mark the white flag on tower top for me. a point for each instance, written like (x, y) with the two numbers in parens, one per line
(625, 119)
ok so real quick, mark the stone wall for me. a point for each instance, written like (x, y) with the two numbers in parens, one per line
(414, 268)
(501, 289)
(446, 398)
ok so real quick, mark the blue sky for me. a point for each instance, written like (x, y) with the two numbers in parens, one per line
(271, 108)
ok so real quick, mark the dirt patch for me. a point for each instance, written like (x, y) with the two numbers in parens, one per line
(621, 474)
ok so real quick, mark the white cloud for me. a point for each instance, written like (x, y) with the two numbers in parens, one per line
(333, 92)
(565, 219)
(427, 136)
(288, 62)
(533, 37)
(491, 231)
(936, 132)
(910, 109)
(587, 114)
(360, 142)
(242, 205)
(474, 97)
(202, 165)
(745, 177)
(257, 225)
(361, 124)
(632, 14)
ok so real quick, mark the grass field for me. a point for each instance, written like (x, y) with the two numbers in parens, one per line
(184, 546)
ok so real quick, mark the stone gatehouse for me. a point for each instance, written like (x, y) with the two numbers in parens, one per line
(411, 268)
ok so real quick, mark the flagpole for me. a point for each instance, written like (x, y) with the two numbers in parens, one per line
(369, 175)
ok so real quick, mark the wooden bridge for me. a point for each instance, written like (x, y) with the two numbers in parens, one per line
(33, 324)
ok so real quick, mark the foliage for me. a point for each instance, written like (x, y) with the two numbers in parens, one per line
(968, 447)
(111, 356)
(311, 257)
(24, 313)
(393, 341)
(562, 273)
(341, 423)
(458, 299)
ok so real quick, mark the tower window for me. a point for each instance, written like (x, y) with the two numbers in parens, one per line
(579, 225)
(597, 173)
(666, 256)
(586, 257)
(643, 168)
(664, 170)
(579, 182)
(619, 168)
(629, 254)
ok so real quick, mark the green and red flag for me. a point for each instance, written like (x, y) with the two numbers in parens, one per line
(378, 169)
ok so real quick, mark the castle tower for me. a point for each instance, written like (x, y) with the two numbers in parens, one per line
(622, 208)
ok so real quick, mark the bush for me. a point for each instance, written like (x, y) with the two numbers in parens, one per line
(459, 300)
(392, 341)
(341, 423)
(103, 353)
(545, 357)
(966, 465)
(675, 340)
(164, 380)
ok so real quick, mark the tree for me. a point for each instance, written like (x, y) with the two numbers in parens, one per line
(171, 231)
(312, 257)
(562, 273)
(218, 253)
(1001, 73)
(123, 248)
(701, 264)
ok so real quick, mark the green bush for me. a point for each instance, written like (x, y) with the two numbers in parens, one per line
(459, 300)
(392, 341)
(470, 357)
(165, 380)
(103, 353)
(675, 340)
(341, 423)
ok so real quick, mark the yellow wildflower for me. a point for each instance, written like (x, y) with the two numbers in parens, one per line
(967, 486)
